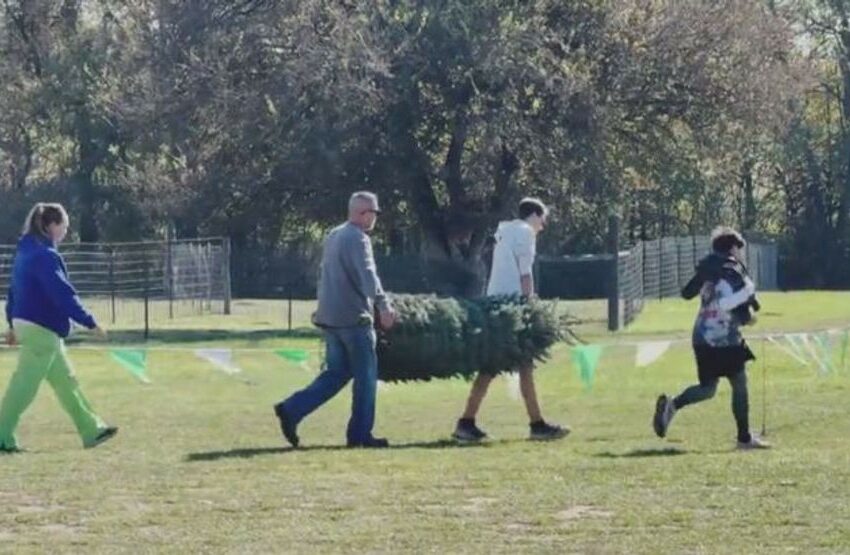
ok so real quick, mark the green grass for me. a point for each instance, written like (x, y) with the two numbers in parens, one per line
(199, 465)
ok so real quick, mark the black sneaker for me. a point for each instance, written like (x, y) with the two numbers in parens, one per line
(286, 426)
(104, 435)
(10, 450)
(466, 430)
(371, 443)
(541, 431)
(664, 412)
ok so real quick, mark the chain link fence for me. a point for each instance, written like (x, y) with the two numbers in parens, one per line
(135, 284)
(660, 268)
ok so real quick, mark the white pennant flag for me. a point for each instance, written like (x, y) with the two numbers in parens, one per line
(811, 348)
(789, 348)
(650, 351)
(512, 381)
(220, 358)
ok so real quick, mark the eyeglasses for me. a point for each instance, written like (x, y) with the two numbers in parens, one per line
(371, 211)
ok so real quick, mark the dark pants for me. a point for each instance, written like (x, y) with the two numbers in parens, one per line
(740, 399)
(350, 353)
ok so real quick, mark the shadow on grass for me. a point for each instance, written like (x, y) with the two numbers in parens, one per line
(640, 453)
(250, 452)
(201, 335)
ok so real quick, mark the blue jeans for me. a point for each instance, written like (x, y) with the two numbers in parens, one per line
(349, 353)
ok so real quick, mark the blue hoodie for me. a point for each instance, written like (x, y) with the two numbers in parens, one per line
(40, 292)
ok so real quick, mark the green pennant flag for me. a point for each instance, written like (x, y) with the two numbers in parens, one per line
(586, 358)
(134, 361)
(293, 355)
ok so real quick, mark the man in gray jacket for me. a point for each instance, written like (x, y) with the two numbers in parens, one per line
(349, 291)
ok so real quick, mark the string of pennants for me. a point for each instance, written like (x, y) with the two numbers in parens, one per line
(817, 350)
(825, 351)
(135, 360)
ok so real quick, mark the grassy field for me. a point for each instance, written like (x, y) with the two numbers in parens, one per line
(199, 465)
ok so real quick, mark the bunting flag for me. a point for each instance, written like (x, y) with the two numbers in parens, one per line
(512, 382)
(297, 356)
(823, 342)
(222, 359)
(811, 347)
(293, 355)
(786, 345)
(798, 343)
(650, 351)
(822, 350)
(586, 358)
(134, 361)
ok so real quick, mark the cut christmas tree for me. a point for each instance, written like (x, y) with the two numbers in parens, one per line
(444, 337)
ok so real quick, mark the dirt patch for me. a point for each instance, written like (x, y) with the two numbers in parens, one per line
(477, 504)
(60, 529)
(27, 504)
(577, 512)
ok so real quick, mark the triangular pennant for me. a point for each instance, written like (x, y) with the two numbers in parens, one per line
(786, 348)
(293, 355)
(586, 358)
(797, 343)
(512, 382)
(812, 350)
(134, 361)
(824, 349)
(650, 351)
(220, 358)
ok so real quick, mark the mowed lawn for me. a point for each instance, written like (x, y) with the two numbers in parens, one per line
(199, 465)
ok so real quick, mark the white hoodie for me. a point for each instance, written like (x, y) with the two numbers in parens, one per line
(513, 257)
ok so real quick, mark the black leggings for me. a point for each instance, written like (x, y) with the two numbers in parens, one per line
(740, 400)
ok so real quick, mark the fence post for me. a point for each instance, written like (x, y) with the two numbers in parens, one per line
(614, 278)
(226, 269)
(678, 262)
(694, 254)
(642, 271)
(289, 306)
(169, 272)
(660, 268)
(147, 297)
(112, 281)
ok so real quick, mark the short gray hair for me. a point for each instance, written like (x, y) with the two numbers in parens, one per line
(361, 196)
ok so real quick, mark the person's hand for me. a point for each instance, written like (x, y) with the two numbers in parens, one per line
(11, 340)
(100, 332)
(388, 317)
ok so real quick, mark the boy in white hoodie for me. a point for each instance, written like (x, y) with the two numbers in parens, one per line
(511, 274)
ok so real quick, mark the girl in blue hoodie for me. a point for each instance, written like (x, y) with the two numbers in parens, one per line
(40, 305)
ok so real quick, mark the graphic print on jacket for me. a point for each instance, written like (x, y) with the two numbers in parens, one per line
(717, 323)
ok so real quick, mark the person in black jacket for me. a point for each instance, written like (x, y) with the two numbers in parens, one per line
(727, 301)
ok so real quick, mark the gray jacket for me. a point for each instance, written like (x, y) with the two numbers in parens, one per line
(349, 286)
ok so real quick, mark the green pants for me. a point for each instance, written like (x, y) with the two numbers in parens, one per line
(42, 355)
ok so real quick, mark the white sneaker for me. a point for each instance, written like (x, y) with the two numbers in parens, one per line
(755, 443)
(664, 413)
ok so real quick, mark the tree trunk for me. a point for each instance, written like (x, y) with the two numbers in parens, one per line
(748, 209)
